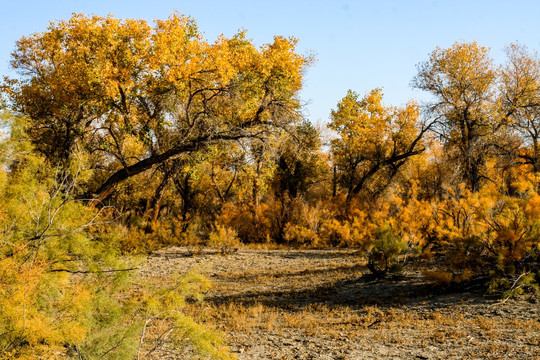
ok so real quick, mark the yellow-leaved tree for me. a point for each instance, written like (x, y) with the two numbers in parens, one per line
(374, 141)
(134, 95)
(461, 79)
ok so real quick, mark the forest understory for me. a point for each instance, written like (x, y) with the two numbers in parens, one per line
(325, 304)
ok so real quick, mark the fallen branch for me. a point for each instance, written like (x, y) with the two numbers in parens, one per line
(512, 289)
(92, 271)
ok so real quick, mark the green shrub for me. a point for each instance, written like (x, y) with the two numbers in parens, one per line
(383, 255)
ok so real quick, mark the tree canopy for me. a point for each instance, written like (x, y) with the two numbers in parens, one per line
(132, 95)
(373, 139)
(462, 80)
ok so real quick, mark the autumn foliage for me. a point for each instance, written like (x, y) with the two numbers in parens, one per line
(126, 136)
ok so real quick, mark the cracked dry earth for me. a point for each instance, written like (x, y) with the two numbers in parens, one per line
(323, 304)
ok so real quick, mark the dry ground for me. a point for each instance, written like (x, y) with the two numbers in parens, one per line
(323, 304)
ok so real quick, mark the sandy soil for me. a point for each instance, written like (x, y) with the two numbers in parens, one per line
(323, 304)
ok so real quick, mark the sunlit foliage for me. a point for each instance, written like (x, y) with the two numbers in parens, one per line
(122, 136)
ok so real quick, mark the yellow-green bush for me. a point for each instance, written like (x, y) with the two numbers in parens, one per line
(65, 289)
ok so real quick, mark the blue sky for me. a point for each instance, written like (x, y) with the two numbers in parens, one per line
(359, 45)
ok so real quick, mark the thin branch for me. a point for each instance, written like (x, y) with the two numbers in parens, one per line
(92, 271)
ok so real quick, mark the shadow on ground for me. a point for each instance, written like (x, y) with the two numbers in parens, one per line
(346, 285)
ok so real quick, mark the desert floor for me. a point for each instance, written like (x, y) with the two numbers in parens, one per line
(323, 304)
